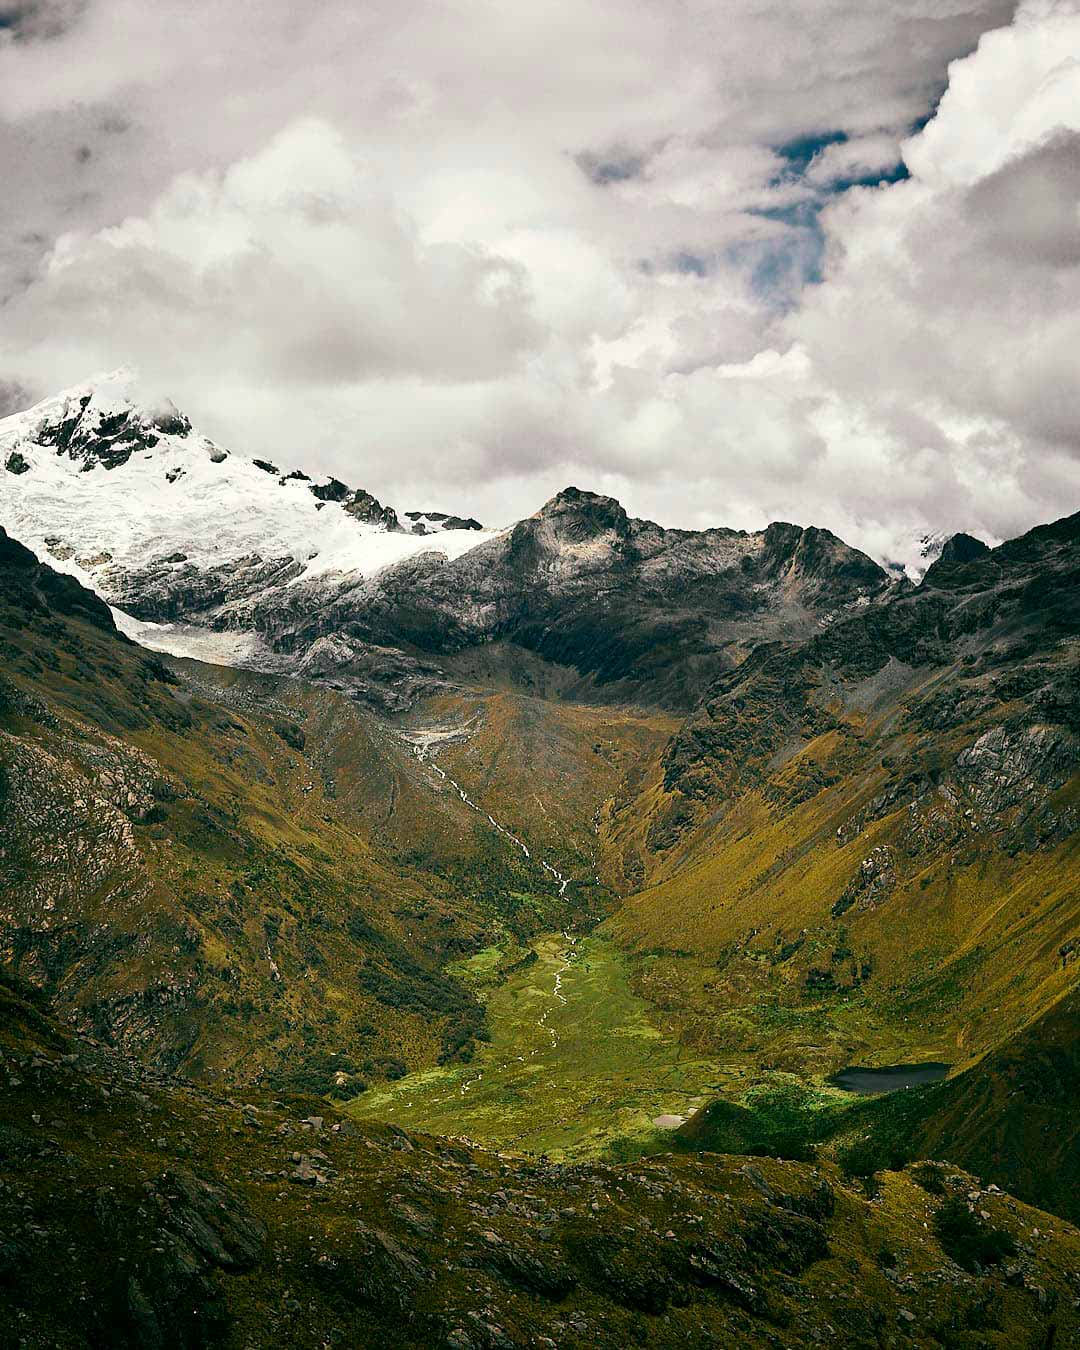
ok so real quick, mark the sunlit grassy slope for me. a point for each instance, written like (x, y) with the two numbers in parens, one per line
(864, 850)
(741, 946)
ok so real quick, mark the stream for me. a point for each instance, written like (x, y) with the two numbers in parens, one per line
(574, 1060)
(421, 743)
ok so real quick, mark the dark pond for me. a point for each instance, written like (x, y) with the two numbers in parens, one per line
(889, 1078)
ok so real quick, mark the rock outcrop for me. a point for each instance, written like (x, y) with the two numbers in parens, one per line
(631, 609)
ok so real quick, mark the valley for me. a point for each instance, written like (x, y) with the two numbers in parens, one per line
(575, 1067)
(549, 859)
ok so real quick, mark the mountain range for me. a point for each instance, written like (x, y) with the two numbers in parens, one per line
(320, 579)
(597, 845)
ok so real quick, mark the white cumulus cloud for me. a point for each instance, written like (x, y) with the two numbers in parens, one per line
(468, 253)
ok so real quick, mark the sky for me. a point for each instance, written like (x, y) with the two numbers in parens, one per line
(810, 260)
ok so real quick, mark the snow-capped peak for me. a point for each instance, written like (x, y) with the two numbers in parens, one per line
(106, 485)
(96, 422)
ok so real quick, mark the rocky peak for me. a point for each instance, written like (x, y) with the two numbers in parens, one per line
(955, 555)
(810, 553)
(357, 503)
(962, 548)
(101, 425)
(577, 516)
(363, 506)
(332, 491)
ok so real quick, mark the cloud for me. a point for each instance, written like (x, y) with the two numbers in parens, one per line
(680, 259)
(955, 296)
(295, 265)
(37, 20)
(1026, 212)
(865, 159)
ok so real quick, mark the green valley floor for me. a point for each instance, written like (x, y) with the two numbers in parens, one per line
(575, 1067)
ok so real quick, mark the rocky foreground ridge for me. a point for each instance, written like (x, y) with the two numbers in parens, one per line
(184, 1219)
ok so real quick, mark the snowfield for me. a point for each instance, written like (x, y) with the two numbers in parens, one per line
(244, 649)
(181, 497)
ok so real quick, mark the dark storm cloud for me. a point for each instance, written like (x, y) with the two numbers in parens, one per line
(610, 168)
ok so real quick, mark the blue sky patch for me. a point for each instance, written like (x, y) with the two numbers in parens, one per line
(798, 153)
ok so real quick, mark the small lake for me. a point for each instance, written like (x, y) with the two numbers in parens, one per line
(889, 1078)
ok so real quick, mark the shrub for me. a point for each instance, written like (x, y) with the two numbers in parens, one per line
(970, 1241)
(930, 1176)
(291, 734)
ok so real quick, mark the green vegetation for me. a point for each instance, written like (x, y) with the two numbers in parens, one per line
(781, 1117)
(968, 1239)
(138, 1211)
(581, 1073)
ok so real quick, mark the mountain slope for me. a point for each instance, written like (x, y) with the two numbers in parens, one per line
(321, 579)
(1010, 1118)
(863, 848)
(179, 871)
(166, 875)
(246, 876)
(184, 1221)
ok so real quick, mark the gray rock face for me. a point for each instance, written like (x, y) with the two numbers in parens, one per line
(634, 609)
(359, 504)
(217, 1227)
(172, 588)
(362, 505)
(1005, 765)
(627, 609)
(999, 728)
(188, 1229)
(383, 677)
(871, 884)
(433, 522)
